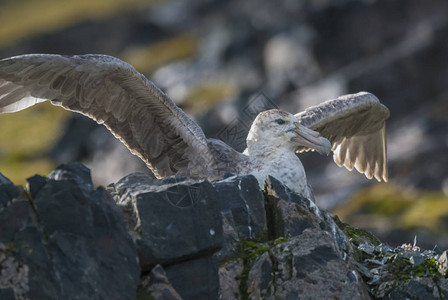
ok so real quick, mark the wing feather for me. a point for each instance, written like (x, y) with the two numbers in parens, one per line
(112, 92)
(355, 125)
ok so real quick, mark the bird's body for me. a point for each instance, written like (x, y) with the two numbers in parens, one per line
(284, 165)
(146, 120)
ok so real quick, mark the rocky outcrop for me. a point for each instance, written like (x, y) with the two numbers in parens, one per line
(177, 238)
(60, 239)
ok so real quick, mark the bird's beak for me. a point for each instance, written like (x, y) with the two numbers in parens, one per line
(311, 139)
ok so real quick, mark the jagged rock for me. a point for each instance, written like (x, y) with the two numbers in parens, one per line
(70, 172)
(310, 258)
(241, 202)
(174, 219)
(290, 215)
(7, 191)
(402, 272)
(69, 241)
(315, 241)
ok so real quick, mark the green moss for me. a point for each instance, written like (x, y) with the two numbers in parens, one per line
(360, 235)
(357, 235)
(403, 270)
(280, 240)
(250, 250)
(400, 270)
(253, 249)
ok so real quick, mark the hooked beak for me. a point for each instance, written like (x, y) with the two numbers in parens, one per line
(311, 139)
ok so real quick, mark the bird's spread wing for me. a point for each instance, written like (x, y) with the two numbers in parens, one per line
(355, 125)
(112, 92)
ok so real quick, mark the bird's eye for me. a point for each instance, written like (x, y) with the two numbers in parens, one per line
(280, 121)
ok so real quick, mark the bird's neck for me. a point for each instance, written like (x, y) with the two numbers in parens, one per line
(261, 151)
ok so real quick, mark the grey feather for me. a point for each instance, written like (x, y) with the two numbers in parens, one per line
(112, 92)
(355, 125)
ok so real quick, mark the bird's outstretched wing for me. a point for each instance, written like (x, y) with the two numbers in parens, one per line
(112, 92)
(355, 125)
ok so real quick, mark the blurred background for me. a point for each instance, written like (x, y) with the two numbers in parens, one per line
(215, 58)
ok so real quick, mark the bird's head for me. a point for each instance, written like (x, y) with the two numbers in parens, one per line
(282, 129)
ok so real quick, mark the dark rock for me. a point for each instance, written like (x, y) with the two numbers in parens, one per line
(195, 279)
(174, 209)
(73, 171)
(231, 244)
(286, 219)
(35, 184)
(8, 191)
(310, 264)
(419, 288)
(71, 244)
(290, 215)
(157, 286)
(26, 266)
(274, 187)
(196, 228)
(4, 180)
(241, 202)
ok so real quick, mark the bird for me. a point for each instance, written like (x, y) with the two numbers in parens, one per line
(154, 128)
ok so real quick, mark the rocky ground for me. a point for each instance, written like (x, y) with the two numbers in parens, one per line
(219, 59)
(181, 239)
